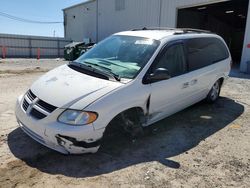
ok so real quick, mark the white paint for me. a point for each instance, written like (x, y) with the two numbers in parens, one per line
(68, 85)
(151, 34)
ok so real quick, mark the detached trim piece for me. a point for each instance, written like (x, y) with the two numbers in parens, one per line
(76, 143)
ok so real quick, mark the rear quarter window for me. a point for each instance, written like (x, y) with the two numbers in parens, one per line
(203, 52)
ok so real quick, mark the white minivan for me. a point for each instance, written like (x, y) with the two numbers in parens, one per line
(129, 80)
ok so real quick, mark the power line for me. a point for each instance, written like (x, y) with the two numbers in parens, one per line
(26, 20)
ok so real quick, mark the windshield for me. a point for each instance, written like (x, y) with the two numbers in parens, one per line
(123, 56)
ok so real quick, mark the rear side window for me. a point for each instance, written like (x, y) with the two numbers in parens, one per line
(205, 51)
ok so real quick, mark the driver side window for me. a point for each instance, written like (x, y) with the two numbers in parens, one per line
(173, 59)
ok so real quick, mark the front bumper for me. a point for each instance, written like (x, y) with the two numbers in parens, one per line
(63, 138)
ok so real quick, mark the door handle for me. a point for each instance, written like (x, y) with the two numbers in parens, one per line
(193, 82)
(185, 85)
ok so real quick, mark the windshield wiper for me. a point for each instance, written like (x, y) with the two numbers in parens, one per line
(80, 65)
(107, 73)
(97, 65)
(107, 70)
(116, 76)
(85, 69)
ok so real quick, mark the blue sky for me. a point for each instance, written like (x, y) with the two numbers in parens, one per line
(41, 10)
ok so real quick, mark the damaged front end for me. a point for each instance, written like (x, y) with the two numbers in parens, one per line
(73, 146)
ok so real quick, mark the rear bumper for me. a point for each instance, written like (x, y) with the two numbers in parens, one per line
(57, 136)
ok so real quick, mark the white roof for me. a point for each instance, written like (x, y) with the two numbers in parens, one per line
(151, 34)
(161, 34)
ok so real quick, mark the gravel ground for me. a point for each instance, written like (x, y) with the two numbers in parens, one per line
(27, 66)
(202, 146)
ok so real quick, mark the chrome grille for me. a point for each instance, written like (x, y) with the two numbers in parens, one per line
(48, 107)
(35, 107)
(25, 104)
(37, 114)
(31, 95)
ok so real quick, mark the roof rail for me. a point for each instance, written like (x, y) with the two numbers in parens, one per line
(178, 30)
(186, 30)
(154, 28)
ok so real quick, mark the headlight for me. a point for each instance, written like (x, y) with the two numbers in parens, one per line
(77, 117)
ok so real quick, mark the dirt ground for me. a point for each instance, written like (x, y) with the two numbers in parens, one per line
(202, 146)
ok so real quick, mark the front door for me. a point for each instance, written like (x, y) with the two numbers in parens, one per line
(171, 95)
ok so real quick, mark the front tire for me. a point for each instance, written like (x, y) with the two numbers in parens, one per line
(214, 93)
(127, 122)
(132, 125)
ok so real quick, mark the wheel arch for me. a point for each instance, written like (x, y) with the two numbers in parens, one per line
(118, 122)
(136, 110)
(221, 79)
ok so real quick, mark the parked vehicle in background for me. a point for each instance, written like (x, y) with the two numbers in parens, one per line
(130, 80)
(73, 50)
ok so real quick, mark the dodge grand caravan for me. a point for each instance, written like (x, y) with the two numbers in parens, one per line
(135, 78)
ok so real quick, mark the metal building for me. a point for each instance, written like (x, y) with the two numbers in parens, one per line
(97, 19)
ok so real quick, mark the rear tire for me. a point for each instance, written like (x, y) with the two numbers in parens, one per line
(214, 93)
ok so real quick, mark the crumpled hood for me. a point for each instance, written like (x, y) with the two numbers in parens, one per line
(63, 86)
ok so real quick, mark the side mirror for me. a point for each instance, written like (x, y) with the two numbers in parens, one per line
(158, 75)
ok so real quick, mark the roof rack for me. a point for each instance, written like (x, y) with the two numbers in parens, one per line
(186, 30)
(178, 30)
(154, 28)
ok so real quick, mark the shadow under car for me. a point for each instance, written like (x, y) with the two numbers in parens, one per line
(167, 138)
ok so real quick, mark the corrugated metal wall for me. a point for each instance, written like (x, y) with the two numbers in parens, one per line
(28, 46)
(80, 22)
(137, 14)
(140, 13)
